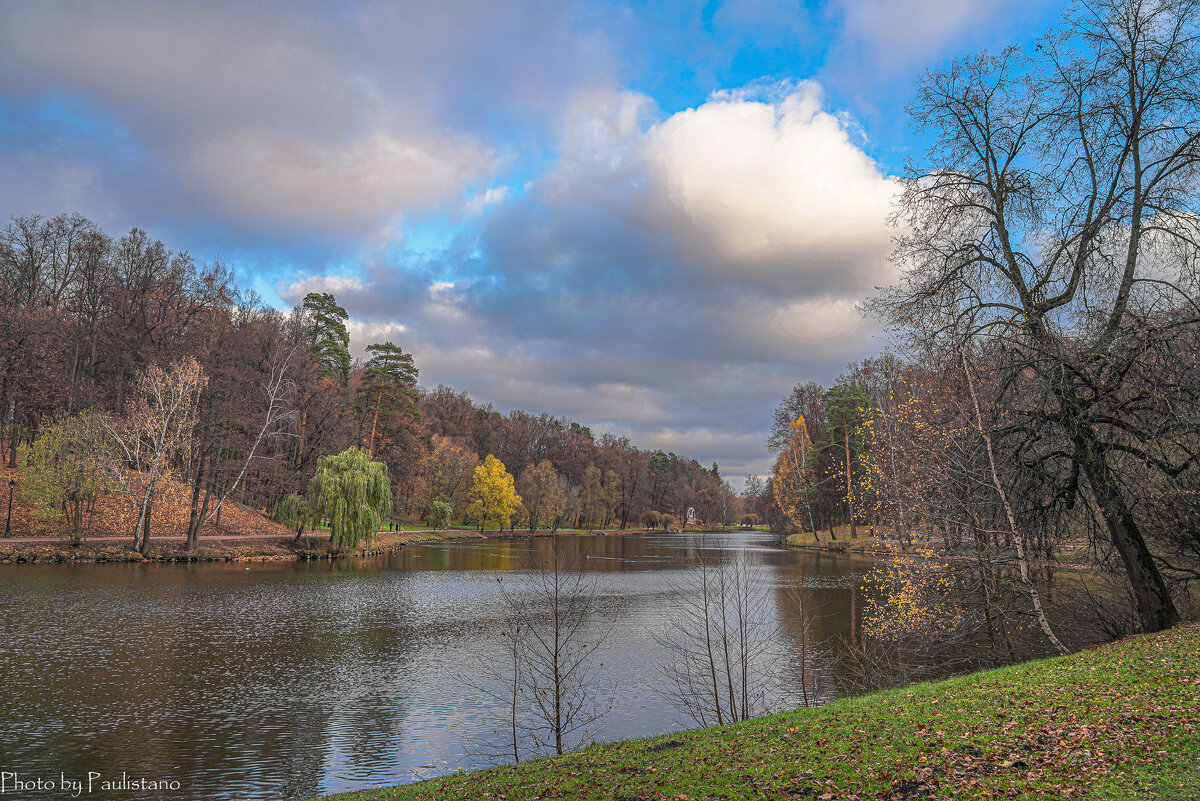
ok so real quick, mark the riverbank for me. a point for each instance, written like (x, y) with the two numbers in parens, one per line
(865, 542)
(1116, 722)
(214, 548)
(237, 547)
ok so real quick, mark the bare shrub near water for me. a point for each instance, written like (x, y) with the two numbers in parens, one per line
(719, 639)
(549, 685)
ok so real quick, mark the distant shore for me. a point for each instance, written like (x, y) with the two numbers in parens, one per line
(213, 548)
(267, 547)
(244, 547)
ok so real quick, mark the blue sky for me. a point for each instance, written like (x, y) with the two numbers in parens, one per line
(651, 217)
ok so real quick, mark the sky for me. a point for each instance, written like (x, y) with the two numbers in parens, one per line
(653, 218)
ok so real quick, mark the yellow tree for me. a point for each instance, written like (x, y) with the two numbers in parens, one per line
(494, 497)
(795, 478)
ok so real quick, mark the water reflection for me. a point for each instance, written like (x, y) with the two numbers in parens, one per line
(289, 680)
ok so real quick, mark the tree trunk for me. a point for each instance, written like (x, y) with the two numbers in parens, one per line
(1155, 608)
(300, 438)
(144, 548)
(71, 381)
(849, 483)
(12, 432)
(374, 423)
(196, 517)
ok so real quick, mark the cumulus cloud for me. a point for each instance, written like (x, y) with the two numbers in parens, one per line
(772, 192)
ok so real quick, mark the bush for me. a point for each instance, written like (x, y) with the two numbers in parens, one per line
(439, 514)
(69, 467)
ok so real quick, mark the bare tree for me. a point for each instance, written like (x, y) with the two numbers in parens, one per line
(154, 434)
(277, 388)
(806, 659)
(548, 688)
(718, 636)
(1056, 217)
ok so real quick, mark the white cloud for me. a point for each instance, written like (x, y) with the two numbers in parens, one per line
(333, 284)
(477, 203)
(882, 44)
(363, 334)
(295, 181)
(899, 32)
(772, 192)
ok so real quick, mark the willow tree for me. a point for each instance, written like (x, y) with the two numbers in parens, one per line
(295, 511)
(353, 494)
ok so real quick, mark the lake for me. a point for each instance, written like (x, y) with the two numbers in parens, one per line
(288, 680)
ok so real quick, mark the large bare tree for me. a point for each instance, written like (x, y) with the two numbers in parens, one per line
(1055, 217)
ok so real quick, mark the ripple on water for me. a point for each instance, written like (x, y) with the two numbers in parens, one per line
(285, 681)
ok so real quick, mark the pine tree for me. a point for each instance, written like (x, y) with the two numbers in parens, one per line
(387, 387)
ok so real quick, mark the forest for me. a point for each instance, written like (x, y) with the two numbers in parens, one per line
(120, 349)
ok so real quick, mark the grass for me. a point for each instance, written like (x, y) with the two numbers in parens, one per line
(1117, 722)
(865, 541)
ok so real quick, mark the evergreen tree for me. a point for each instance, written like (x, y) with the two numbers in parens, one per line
(843, 440)
(329, 341)
(387, 387)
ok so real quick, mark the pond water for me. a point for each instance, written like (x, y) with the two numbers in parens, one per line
(271, 681)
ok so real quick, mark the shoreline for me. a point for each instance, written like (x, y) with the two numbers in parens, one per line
(235, 547)
(246, 547)
(1115, 722)
(213, 548)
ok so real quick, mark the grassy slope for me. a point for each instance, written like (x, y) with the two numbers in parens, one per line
(1118, 722)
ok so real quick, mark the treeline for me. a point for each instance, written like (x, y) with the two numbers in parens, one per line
(90, 318)
(950, 456)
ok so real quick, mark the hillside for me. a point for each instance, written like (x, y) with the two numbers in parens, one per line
(1117, 722)
(115, 515)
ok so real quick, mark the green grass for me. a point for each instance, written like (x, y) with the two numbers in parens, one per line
(1118, 722)
(865, 541)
